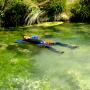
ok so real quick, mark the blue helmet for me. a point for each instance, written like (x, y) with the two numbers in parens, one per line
(34, 37)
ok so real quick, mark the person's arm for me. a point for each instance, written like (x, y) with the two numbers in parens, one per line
(20, 41)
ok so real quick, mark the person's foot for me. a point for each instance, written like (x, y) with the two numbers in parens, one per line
(73, 47)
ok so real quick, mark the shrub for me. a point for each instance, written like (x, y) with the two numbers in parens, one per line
(81, 11)
(54, 7)
(15, 16)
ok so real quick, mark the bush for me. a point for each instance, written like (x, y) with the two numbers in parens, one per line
(54, 7)
(15, 16)
(81, 12)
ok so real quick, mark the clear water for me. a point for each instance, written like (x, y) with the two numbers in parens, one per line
(67, 71)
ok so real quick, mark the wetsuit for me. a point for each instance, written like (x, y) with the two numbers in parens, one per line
(64, 45)
(37, 42)
(41, 43)
(45, 44)
(33, 41)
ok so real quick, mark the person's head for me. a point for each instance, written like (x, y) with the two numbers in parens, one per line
(34, 37)
(26, 37)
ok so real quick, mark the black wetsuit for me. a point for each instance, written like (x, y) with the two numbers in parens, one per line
(33, 41)
(41, 43)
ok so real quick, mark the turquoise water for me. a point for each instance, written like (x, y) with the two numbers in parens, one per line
(27, 67)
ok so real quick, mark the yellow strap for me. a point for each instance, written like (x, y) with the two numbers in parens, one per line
(49, 41)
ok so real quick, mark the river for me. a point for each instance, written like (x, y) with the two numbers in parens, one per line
(67, 71)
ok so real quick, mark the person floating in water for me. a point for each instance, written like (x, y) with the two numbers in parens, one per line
(47, 44)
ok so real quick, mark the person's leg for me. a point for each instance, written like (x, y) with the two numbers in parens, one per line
(52, 49)
(49, 48)
(65, 45)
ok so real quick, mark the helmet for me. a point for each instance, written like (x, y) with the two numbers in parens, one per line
(34, 37)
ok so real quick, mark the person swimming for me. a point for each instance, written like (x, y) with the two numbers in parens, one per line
(47, 44)
(36, 40)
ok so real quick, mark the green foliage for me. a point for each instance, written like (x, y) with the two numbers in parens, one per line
(5, 4)
(54, 7)
(81, 11)
(45, 11)
(15, 16)
(34, 16)
(17, 13)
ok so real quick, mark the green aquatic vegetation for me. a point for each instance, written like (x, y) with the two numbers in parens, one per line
(25, 66)
(20, 83)
(76, 82)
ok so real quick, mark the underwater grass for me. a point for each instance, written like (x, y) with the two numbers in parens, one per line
(18, 67)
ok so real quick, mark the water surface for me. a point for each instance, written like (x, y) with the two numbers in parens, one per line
(23, 66)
